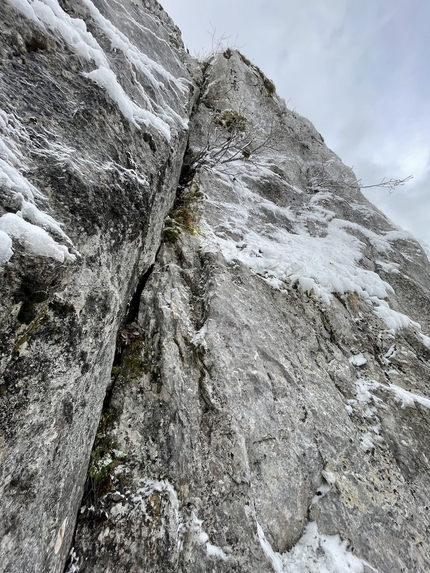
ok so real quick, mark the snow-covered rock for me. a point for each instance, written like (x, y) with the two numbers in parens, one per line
(94, 105)
(268, 403)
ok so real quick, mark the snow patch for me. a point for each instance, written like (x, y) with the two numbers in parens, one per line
(73, 562)
(319, 264)
(408, 398)
(105, 78)
(73, 31)
(389, 267)
(193, 528)
(198, 339)
(34, 239)
(393, 319)
(5, 248)
(425, 340)
(139, 60)
(365, 397)
(189, 528)
(314, 553)
(357, 359)
(29, 225)
(214, 551)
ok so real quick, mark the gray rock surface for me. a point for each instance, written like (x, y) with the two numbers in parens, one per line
(109, 177)
(262, 391)
(255, 417)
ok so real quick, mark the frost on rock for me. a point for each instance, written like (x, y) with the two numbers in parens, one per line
(189, 528)
(324, 264)
(30, 226)
(73, 31)
(314, 553)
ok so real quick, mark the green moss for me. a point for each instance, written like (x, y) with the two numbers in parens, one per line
(102, 460)
(20, 342)
(104, 457)
(324, 320)
(40, 296)
(268, 84)
(132, 366)
(230, 119)
(246, 61)
(40, 320)
(116, 370)
(270, 87)
(171, 232)
(184, 216)
(184, 219)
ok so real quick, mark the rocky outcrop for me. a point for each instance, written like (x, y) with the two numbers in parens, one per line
(258, 391)
(95, 100)
(280, 395)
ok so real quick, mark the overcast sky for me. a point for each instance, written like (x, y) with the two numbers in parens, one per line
(358, 69)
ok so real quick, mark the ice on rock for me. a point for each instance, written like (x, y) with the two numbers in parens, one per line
(314, 553)
(105, 78)
(34, 239)
(5, 248)
(48, 13)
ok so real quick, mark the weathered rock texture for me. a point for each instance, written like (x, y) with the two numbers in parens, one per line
(267, 406)
(110, 180)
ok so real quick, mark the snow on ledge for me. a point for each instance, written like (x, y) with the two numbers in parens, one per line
(105, 78)
(73, 31)
(405, 397)
(314, 553)
(34, 238)
(320, 264)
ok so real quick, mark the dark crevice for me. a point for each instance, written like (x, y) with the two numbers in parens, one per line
(133, 309)
(130, 322)
(125, 335)
(188, 170)
(129, 331)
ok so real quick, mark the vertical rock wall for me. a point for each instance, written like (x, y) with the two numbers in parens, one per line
(271, 410)
(257, 393)
(94, 106)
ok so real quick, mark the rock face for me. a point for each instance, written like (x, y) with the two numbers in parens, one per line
(261, 384)
(94, 106)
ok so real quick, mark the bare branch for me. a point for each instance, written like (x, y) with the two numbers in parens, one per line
(319, 178)
(389, 184)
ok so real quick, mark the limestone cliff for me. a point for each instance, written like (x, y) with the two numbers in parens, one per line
(95, 101)
(194, 288)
